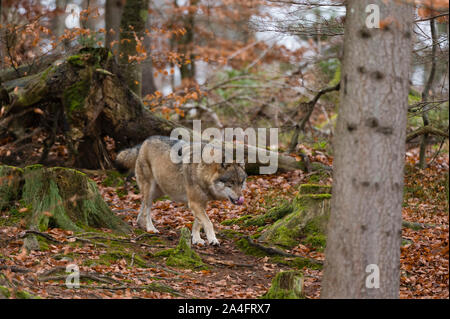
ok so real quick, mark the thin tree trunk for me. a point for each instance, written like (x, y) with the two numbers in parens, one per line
(426, 94)
(148, 81)
(113, 13)
(186, 43)
(365, 223)
(133, 21)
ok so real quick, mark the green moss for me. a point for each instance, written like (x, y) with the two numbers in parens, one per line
(238, 220)
(113, 179)
(113, 256)
(406, 242)
(13, 217)
(272, 215)
(164, 253)
(4, 291)
(317, 241)
(315, 197)
(183, 256)
(285, 237)
(42, 192)
(315, 189)
(248, 249)
(75, 95)
(314, 231)
(319, 174)
(36, 90)
(22, 294)
(286, 285)
(76, 60)
(230, 233)
(43, 244)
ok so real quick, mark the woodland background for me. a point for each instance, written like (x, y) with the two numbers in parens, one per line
(81, 80)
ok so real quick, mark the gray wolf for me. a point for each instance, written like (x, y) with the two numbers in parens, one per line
(192, 183)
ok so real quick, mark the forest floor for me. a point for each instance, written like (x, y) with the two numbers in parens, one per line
(129, 267)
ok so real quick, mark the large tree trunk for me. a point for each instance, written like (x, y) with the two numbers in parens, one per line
(365, 221)
(85, 98)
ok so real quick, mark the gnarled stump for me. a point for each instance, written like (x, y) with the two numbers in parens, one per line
(85, 98)
(56, 198)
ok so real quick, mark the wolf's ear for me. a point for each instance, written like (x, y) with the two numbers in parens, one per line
(242, 165)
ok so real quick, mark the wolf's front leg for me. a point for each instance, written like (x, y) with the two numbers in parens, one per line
(196, 227)
(200, 214)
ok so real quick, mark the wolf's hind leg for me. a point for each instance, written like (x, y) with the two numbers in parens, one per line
(144, 188)
(196, 227)
(200, 214)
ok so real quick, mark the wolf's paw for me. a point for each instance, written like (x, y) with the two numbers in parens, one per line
(152, 230)
(141, 224)
(198, 241)
(214, 242)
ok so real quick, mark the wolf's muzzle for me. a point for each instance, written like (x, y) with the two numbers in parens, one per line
(238, 201)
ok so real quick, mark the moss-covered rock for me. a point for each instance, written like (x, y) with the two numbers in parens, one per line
(306, 223)
(286, 285)
(183, 256)
(61, 197)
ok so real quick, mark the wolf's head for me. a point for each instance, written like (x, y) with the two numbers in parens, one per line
(229, 181)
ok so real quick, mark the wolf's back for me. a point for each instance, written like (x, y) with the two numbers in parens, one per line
(126, 159)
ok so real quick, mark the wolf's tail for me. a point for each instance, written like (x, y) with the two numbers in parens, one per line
(126, 159)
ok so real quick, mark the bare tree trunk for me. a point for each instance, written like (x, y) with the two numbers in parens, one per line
(186, 43)
(58, 21)
(148, 81)
(426, 94)
(365, 221)
(133, 21)
(113, 13)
